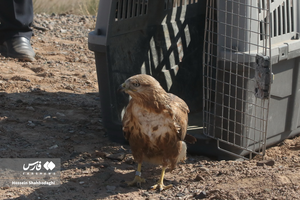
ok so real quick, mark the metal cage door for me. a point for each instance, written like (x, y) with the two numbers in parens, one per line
(237, 75)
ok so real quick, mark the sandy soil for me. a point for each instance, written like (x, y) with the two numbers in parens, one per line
(50, 109)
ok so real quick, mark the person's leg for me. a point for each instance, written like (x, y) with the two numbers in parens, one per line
(16, 17)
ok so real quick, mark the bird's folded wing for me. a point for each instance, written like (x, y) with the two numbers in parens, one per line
(179, 111)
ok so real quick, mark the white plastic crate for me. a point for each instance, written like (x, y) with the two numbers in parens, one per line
(284, 16)
(248, 44)
(285, 25)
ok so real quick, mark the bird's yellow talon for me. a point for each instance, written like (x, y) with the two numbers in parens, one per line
(136, 181)
(160, 183)
(161, 186)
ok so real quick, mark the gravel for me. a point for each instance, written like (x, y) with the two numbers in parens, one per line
(50, 108)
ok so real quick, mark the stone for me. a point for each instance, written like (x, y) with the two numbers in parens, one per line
(204, 169)
(118, 156)
(129, 160)
(22, 197)
(53, 147)
(199, 178)
(270, 162)
(105, 176)
(201, 195)
(63, 30)
(60, 114)
(145, 194)
(30, 108)
(100, 154)
(110, 188)
(31, 124)
(180, 195)
(47, 117)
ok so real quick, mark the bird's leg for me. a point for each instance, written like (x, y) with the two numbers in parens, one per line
(160, 183)
(138, 180)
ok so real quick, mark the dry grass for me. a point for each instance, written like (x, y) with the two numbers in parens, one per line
(81, 7)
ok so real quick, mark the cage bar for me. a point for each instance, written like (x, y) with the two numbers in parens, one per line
(236, 32)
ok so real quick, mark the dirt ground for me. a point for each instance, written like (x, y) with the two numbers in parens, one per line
(50, 109)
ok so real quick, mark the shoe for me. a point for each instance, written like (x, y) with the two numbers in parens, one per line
(18, 47)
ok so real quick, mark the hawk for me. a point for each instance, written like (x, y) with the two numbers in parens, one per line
(155, 124)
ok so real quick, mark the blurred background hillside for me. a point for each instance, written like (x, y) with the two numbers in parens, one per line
(80, 7)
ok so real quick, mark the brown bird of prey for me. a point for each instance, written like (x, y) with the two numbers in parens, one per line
(155, 124)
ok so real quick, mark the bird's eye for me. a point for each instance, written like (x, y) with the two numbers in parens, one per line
(136, 84)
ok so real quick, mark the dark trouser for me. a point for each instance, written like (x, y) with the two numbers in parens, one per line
(16, 17)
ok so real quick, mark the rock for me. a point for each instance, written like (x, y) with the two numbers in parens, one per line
(84, 59)
(31, 124)
(266, 162)
(53, 147)
(22, 197)
(118, 156)
(30, 108)
(145, 194)
(4, 118)
(100, 154)
(50, 27)
(47, 117)
(130, 168)
(60, 114)
(297, 145)
(19, 101)
(122, 149)
(180, 195)
(82, 133)
(199, 178)
(110, 188)
(202, 195)
(5, 188)
(104, 166)
(72, 188)
(204, 169)
(129, 160)
(149, 198)
(219, 173)
(63, 31)
(74, 154)
(105, 176)
(94, 121)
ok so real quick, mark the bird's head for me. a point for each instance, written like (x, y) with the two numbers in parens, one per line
(141, 86)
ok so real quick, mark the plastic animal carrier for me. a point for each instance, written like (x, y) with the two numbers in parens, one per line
(251, 71)
(163, 38)
(235, 63)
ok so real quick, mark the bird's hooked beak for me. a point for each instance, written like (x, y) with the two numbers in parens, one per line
(122, 87)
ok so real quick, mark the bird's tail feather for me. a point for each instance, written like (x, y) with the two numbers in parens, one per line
(190, 139)
(182, 154)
